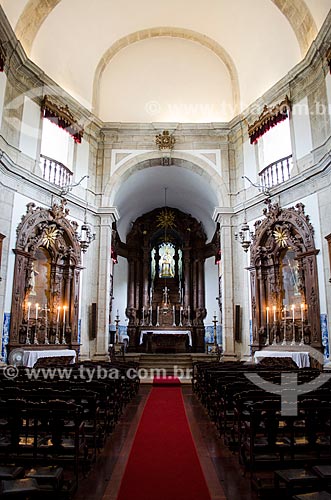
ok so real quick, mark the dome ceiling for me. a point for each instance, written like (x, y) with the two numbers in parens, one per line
(147, 61)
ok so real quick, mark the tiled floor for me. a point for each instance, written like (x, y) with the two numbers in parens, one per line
(221, 468)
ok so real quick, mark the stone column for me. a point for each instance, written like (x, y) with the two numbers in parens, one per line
(105, 267)
(223, 216)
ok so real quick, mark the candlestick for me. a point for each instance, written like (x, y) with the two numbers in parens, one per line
(46, 341)
(302, 310)
(302, 341)
(284, 338)
(173, 316)
(143, 321)
(27, 340)
(58, 314)
(150, 316)
(157, 316)
(64, 325)
(267, 339)
(274, 309)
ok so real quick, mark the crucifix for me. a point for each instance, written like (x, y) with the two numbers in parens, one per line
(165, 295)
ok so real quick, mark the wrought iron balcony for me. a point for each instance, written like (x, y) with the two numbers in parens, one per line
(55, 172)
(277, 172)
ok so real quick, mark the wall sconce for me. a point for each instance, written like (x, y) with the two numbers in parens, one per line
(245, 235)
(86, 236)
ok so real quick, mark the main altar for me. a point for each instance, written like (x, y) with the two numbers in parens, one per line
(166, 251)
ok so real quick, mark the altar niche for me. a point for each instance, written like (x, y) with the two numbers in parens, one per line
(44, 312)
(166, 251)
(284, 282)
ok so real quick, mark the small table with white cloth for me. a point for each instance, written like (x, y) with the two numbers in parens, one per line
(31, 357)
(301, 358)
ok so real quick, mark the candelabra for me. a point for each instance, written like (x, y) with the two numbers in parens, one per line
(214, 349)
(117, 320)
(46, 340)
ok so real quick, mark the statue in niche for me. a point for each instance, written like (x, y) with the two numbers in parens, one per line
(166, 261)
(32, 281)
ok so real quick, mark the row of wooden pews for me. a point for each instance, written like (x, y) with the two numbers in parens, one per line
(54, 420)
(274, 419)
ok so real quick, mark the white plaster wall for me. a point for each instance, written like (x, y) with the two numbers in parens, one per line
(120, 286)
(211, 290)
(196, 86)
(30, 128)
(3, 82)
(250, 166)
(82, 162)
(302, 128)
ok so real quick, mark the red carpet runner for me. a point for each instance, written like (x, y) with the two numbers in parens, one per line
(163, 463)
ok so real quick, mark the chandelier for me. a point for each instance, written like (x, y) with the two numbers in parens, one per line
(86, 236)
(245, 235)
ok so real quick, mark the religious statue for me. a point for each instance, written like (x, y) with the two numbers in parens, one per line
(166, 270)
(32, 281)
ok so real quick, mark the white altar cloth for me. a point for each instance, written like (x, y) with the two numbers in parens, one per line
(301, 358)
(181, 332)
(30, 358)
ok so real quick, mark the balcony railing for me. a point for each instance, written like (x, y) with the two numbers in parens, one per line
(55, 172)
(277, 172)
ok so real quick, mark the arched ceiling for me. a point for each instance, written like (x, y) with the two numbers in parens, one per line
(185, 189)
(101, 52)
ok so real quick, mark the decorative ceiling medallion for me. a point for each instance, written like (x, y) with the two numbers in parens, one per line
(165, 140)
(166, 219)
(268, 119)
(50, 235)
(281, 237)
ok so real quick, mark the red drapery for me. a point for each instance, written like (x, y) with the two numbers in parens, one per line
(61, 116)
(268, 119)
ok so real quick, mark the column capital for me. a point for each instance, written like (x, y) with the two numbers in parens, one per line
(108, 215)
(223, 216)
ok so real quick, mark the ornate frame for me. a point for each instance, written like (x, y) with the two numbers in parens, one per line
(265, 268)
(50, 229)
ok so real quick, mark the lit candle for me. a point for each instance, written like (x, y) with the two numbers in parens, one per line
(274, 309)
(58, 314)
(293, 310)
(302, 309)
(37, 307)
(267, 315)
(29, 310)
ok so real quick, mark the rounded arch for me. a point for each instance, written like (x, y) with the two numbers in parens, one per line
(153, 159)
(36, 11)
(34, 14)
(301, 20)
(166, 31)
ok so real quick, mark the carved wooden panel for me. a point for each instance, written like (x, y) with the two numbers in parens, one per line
(283, 250)
(46, 280)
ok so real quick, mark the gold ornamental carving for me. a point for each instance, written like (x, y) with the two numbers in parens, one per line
(165, 141)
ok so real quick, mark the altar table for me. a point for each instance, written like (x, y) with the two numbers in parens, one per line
(301, 358)
(181, 332)
(30, 358)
